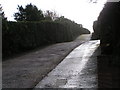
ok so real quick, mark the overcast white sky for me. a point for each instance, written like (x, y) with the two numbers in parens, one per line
(80, 11)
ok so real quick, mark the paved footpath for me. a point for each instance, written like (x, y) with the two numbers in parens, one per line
(77, 70)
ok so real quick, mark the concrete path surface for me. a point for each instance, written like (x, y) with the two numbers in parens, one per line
(77, 70)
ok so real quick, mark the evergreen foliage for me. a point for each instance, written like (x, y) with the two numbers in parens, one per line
(2, 14)
(109, 24)
(29, 13)
(21, 36)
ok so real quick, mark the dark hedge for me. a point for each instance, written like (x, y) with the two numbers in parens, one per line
(21, 36)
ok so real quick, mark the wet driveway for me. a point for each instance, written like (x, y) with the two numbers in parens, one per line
(77, 70)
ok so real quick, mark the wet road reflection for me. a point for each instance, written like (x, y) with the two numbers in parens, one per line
(77, 70)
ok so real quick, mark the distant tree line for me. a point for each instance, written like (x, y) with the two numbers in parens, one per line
(32, 13)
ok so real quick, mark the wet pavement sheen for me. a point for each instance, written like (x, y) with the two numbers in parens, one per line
(77, 70)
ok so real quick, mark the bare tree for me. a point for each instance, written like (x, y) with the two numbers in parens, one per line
(51, 15)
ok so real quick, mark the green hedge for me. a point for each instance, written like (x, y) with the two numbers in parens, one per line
(21, 36)
(109, 28)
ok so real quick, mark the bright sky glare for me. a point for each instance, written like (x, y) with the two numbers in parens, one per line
(80, 11)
